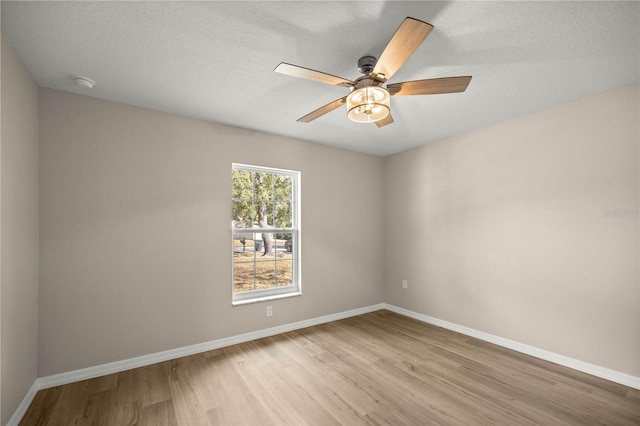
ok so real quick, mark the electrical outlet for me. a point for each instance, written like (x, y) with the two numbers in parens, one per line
(404, 284)
(269, 311)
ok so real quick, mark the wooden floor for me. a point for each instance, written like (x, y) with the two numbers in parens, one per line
(378, 368)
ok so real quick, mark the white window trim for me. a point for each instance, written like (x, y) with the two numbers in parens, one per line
(279, 292)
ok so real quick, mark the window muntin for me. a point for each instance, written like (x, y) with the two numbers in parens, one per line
(265, 233)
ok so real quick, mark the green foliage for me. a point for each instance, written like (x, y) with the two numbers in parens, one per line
(253, 191)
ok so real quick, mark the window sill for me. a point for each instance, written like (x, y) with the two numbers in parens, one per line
(265, 298)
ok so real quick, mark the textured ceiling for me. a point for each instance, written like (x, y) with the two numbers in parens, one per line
(215, 60)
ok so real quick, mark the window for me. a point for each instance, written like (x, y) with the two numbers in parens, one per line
(265, 233)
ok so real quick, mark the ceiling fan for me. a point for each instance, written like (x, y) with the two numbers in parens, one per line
(368, 100)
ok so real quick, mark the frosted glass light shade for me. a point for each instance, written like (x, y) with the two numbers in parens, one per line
(368, 104)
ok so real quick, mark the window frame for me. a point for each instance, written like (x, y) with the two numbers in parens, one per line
(295, 289)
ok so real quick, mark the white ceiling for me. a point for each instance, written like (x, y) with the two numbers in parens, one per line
(215, 60)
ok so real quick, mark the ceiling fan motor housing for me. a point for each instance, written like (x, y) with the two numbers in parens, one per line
(366, 64)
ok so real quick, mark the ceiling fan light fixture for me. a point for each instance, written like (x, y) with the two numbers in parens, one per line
(368, 104)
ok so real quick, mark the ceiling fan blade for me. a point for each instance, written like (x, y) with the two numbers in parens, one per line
(408, 37)
(323, 110)
(431, 86)
(387, 120)
(309, 74)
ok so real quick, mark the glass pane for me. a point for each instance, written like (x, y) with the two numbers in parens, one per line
(265, 273)
(243, 277)
(283, 187)
(242, 187)
(266, 241)
(263, 186)
(283, 244)
(241, 214)
(243, 247)
(284, 272)
(282, 215)
(263, 213)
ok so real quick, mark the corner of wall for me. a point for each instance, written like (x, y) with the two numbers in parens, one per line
(19, 230)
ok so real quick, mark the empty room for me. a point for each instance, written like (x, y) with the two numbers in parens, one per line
(320, 212)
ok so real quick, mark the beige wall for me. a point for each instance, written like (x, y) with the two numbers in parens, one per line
(505, 230)
(135, 231)
(19, 237)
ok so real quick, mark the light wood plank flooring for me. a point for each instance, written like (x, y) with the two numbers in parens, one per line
(378, 368)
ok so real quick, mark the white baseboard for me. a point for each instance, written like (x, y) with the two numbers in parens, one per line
(141, 361)
(24, 405)
(585, 367)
